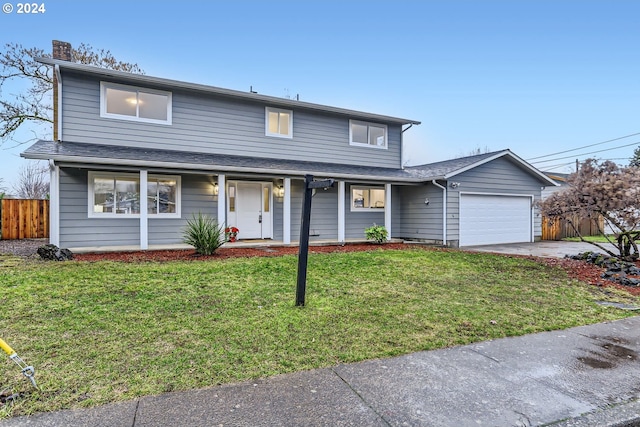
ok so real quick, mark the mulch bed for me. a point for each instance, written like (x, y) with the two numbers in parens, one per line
(579, 270)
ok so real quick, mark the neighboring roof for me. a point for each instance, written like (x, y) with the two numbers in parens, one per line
(141, 79)
(450, 168)
(560, 177)
(92, 154)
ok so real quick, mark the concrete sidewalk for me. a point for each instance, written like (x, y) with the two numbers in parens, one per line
(584, 376)
(545, 248)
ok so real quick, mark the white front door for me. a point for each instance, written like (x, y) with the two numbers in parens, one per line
(253, 210)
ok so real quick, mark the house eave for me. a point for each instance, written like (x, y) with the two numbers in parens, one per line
(213, 168)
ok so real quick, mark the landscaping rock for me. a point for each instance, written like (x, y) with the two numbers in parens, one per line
(616, 270)
(54, 253)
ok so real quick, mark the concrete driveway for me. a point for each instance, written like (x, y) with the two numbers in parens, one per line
(545, 248)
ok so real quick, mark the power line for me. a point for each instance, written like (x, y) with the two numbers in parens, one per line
(585, 154)
(586, 146)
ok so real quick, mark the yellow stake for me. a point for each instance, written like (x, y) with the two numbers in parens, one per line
(27, 371)
(7, 349)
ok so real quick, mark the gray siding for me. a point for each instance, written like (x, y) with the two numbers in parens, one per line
(356, 222)
(419, 220)
(196, 198)
(212, 124)
(77, 229)
(500, 176)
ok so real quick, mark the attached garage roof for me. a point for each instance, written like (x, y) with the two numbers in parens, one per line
(450, 168)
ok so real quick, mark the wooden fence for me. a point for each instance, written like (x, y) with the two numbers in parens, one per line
(559, 229)
(24, 219)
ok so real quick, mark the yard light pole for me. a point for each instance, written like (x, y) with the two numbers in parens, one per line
(303, 251)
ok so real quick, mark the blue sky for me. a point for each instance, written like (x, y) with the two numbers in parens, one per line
(538, 77)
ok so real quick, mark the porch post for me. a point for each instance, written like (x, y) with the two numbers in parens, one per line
(144, 213)
(222, 201)
(341, 213)
(387, 209)
(286, 212)
(54, 203)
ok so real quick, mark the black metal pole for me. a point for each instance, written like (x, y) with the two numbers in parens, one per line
(303, 251)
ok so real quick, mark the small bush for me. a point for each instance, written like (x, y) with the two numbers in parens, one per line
(377, 233)
(203, 233)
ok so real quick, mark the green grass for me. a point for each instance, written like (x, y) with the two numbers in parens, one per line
(103, 332)
(598, 239)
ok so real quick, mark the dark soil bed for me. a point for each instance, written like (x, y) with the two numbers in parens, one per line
(580, 270)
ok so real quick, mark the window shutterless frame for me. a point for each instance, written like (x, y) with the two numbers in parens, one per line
(278, 122)
(127, 206)
(124, 102)
(367, 198)
(366, 134)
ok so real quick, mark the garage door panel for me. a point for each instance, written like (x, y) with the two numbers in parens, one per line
(490, 219)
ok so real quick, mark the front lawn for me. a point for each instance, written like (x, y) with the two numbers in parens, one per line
(106, 331)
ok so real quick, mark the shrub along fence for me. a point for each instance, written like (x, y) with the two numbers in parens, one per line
(24, 219)
(559, 229)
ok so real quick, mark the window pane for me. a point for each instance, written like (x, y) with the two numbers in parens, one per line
(102, 195)
(127, 196)
(376, 198)
(121, 102)
(152, 197)
(167, 196)
(152, 106)
(284, 124)
(265, 199)
(376, 136)
(232, 199)
(273, 122)
(358, 198)
(358, 133)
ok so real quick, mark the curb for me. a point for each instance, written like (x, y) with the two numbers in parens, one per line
(623, 415)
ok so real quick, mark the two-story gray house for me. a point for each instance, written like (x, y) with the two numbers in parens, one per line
(135, 156)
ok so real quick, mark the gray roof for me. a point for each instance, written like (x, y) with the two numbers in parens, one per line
(110, 155)
(92, 154)
(449, 168)
(142, 79)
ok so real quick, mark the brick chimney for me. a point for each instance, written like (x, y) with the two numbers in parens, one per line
(61, 50)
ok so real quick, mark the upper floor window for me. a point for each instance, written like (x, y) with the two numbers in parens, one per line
(367, 134)
(367, 198)
(278, 122)
(134, 103)
(118, 195)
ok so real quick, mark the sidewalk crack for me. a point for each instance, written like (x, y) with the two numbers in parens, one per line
(135, 413)
(361, 398)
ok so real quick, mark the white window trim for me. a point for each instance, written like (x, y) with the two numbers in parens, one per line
(365, 187)
(359, 144)
(103, 103)
(92, 175)
(268, 110)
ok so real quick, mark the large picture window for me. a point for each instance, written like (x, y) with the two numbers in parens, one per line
(367, 198)
(367, 134)
(133, 103)
(278, 122)
(118, 195)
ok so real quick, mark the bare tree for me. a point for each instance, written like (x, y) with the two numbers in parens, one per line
(33, 181)
(602, 190)
(34, 104)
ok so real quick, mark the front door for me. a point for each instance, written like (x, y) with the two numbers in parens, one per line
(253, 210)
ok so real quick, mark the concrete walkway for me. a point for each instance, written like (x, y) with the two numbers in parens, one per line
(545, 248)
(585, 376)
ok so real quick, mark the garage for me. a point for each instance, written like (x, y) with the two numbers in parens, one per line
(487, 219)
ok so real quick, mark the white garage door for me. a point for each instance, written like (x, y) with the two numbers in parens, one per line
(485, 219)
